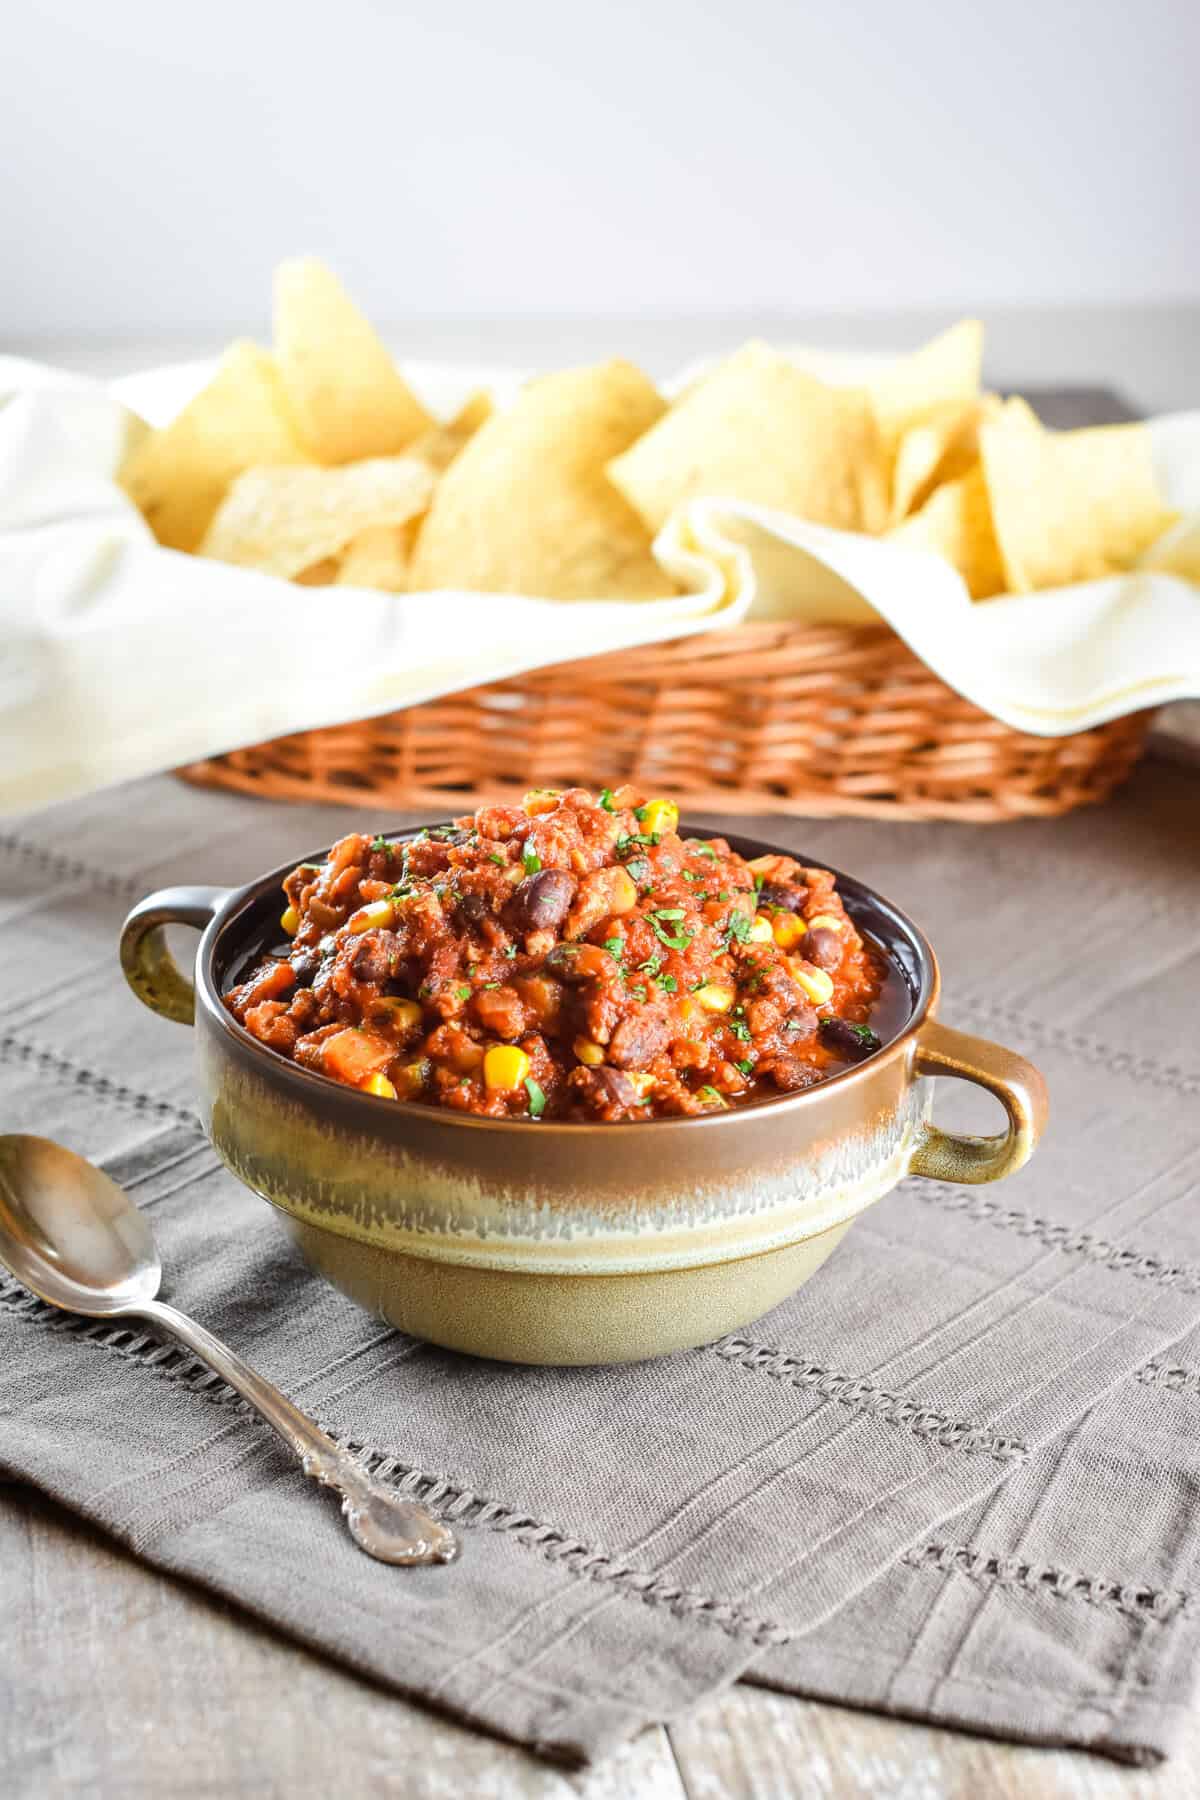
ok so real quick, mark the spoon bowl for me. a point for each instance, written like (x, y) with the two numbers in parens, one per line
(77, 1241)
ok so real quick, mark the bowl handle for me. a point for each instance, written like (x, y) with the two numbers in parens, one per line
(1019, 1087)
(150, 969)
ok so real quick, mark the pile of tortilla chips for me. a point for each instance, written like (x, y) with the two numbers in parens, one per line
(317, 463)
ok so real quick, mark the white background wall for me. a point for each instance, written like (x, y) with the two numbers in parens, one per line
(643, 157)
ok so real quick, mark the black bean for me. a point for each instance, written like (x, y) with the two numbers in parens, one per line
(822, 947)
(853, 1042)
(543, 900)
(305, 964)
(471, 908)
(788, 899)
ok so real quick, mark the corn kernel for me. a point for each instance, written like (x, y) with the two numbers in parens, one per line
(505, 1067)
(715, 997)
(404, 1015)
(815, 982)
(380, 1086)
(375, 913)
(760, 931)
(825, 922)
(658, 816)
(588, 1051)
(290, 921)
(624, 891)
(640, 1082)
(787, 930)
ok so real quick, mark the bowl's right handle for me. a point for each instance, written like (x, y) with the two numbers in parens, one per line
(1019, 1087)
(150, 969)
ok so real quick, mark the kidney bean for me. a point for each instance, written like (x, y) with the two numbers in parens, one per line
(853, 1042)
(605, 1088)
(822, 947)
(639, 1038)
(543, 900)
(788, 899)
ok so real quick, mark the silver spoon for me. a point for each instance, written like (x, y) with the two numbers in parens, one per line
(76, 1240)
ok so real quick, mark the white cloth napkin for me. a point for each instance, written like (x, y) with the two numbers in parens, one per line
(120, 658)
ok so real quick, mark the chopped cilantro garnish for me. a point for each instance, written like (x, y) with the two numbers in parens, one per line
(639, 993)
(723, 895)
(495, 856)
(668, 912)
(690, 875)
(738, 928)
(615, 947)
(745, 1067)
(758, 881)
(463, 993)
(740, 1030)
(510, 950)
(382, 845)
(531, 862)
(491, 984)
(703, 850)
(537, 1099)
(660, 931)
(651, 966)
(639, 868)
(711, 1095)
(651, 839)
(401, 891)
(667, 983)
(606, 800)
(639, 813)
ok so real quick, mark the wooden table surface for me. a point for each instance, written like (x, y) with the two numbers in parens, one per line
(152, 1688)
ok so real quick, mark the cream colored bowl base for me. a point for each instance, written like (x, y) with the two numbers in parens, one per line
(540, 1318)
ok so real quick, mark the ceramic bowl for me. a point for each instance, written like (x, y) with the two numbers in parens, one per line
(550, 1242)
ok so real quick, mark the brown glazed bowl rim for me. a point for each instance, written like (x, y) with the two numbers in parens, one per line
(905, 945)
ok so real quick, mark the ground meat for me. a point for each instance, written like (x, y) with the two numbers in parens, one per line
(569, 958)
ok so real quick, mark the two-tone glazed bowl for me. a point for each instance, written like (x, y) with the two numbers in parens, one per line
(572, 1243)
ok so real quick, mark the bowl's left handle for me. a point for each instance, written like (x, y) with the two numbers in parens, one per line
(150, 969)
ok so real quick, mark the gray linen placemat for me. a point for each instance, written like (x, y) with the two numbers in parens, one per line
(953, 1477)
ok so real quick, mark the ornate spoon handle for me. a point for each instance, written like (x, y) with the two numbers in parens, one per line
(386, 1527)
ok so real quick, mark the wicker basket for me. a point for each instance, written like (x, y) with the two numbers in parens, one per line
(755, 719)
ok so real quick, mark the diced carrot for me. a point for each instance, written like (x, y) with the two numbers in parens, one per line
(352, 1055)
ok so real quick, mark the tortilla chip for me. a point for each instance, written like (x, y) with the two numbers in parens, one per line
(349, 400)
(956, 523)
(944, 372)
(283, 521)
(179, 475)
(938, 448)
(377, 558)
(440, 446)
(1069, 505)
(526, 507)
(758, 429)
